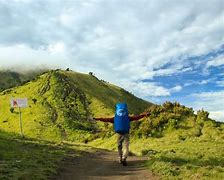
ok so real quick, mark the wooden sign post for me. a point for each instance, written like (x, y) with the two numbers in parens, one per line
(20, 103)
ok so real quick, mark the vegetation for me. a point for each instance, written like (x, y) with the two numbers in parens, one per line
(179, 143)
(32, 159)
(195, 158)
(11, 79)
(27, 158)
(62, 104)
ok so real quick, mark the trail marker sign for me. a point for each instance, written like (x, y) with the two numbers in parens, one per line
(19, 103)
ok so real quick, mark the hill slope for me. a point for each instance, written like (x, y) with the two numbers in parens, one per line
(62, 103)
(179, 143)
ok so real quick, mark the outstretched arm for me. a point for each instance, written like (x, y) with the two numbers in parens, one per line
(135, 118)
(111, 120)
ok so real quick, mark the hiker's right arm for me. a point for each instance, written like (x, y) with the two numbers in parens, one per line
(111, 120)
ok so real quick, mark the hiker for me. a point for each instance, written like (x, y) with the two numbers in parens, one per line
(121, 122)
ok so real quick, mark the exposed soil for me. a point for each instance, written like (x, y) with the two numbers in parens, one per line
(101, 165)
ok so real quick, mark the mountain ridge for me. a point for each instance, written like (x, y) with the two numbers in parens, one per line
(62, 102)
(178, 143)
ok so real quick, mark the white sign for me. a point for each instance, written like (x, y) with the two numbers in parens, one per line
(19, 102)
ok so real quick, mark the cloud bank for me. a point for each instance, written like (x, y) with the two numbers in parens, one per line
(125, 42)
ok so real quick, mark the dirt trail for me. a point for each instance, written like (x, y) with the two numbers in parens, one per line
(103, 165)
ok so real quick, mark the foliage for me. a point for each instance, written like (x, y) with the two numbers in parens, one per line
(179, 143)
(195, 158)
(62, 104)
(11, 109)
(28, 158)
(11, 79)
(171, 117)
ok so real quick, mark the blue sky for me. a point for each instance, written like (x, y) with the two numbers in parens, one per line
(158, 50)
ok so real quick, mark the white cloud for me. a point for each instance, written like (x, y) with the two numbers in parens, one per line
(210, 101)
(24, 56)
(147, 90)
(200, 82)
(217, 115)
(144, 89)
(220, 83)
(218, 61)
(56, 48)
(122, 42)
(176, 89)
(141, 35)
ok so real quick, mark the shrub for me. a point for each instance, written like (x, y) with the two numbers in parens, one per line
(12, 109)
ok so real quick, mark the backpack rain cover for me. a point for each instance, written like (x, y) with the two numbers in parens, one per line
(121, 119)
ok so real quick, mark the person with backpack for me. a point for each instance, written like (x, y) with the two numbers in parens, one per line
(121, 122)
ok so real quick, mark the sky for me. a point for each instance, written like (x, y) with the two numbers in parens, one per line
(160, 50)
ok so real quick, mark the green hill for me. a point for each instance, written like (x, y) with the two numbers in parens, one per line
(179, 143)
(62, 104)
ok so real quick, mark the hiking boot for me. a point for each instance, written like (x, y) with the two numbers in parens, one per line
(124, 162)
(120, 161)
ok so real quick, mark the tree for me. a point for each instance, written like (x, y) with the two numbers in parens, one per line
(91, 74)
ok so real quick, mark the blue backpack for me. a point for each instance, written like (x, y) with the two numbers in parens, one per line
(121, 119)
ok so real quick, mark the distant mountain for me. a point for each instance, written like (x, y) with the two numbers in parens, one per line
(10, 79)
(62, 104)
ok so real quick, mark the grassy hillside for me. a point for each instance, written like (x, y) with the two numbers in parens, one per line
(179, 143)
(27, 158)
(103, 96)
(61, 107)
(32, 159)
(62, 104)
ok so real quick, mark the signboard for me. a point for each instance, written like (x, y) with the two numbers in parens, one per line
(19, 102)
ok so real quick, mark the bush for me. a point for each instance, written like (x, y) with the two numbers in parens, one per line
(12, 110)
(34, 100)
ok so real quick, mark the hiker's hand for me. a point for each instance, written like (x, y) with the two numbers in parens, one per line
(146, 113)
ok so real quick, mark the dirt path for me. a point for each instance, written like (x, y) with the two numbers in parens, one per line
(103, 165)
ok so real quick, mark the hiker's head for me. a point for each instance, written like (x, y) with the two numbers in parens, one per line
(121, 109)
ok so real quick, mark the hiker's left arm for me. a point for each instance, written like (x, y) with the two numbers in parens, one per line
(138, 117)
